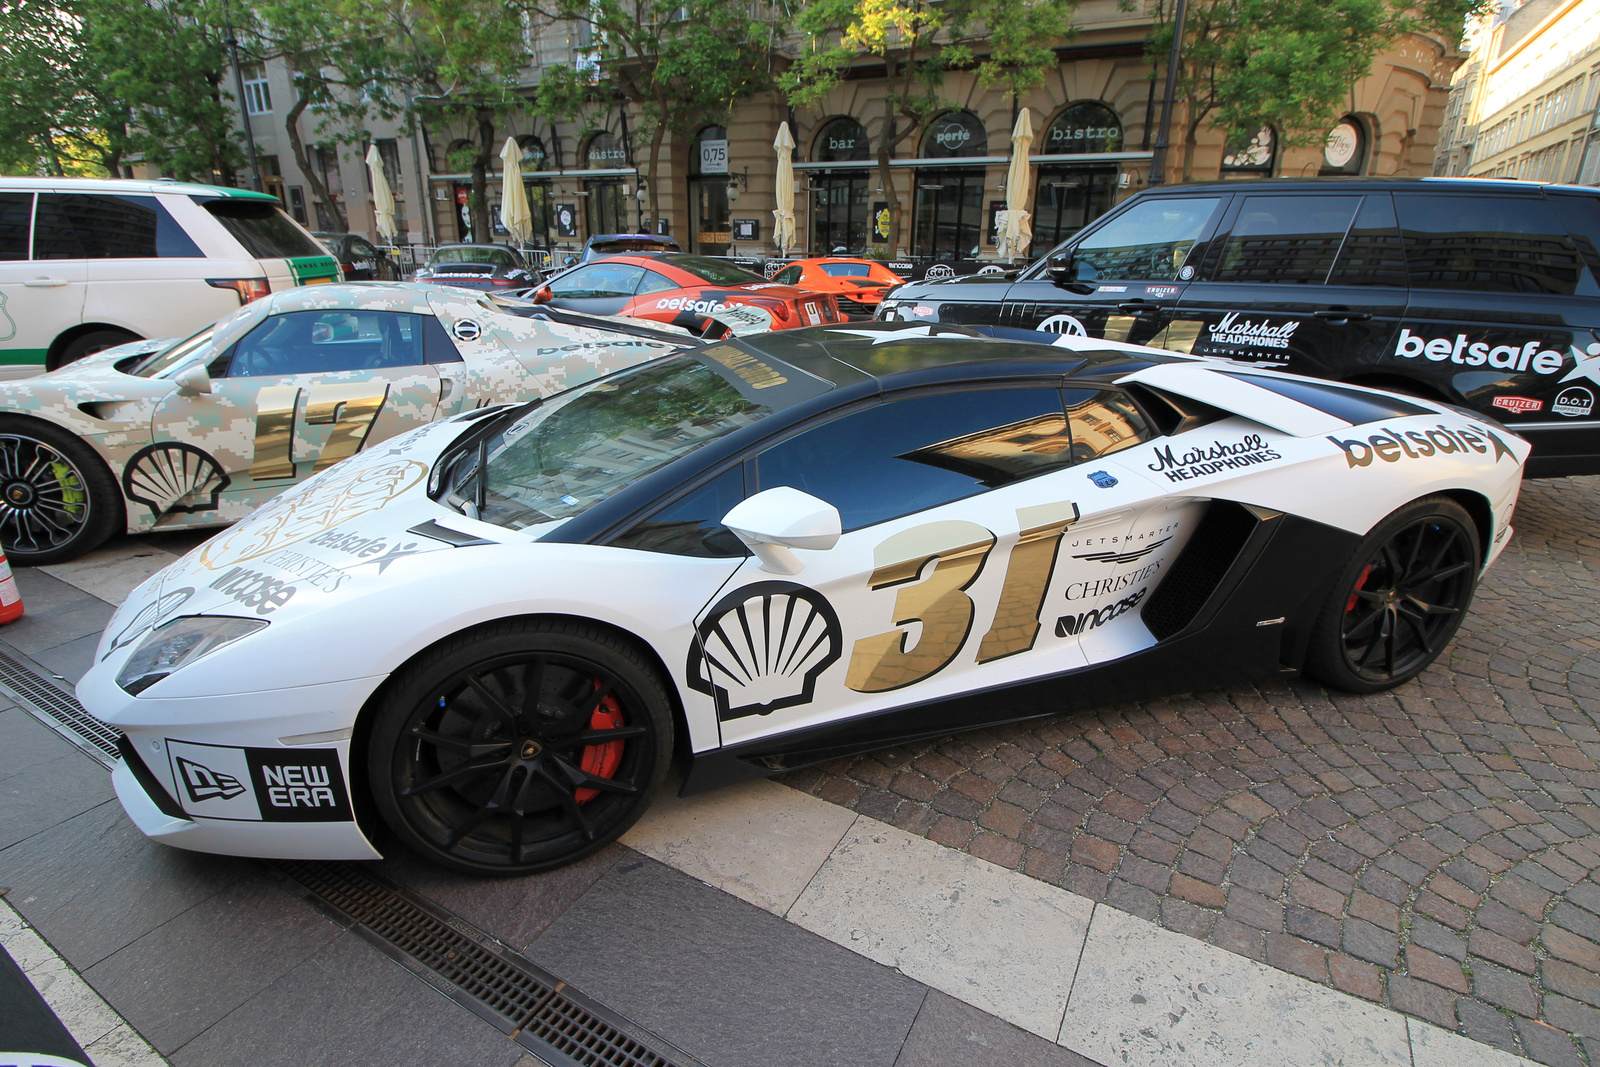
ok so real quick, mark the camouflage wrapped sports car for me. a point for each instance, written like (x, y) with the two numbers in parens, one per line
(198, 432)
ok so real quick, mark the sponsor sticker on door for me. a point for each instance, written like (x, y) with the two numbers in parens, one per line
(1517, 405)
(259, 784)
(1574, 402)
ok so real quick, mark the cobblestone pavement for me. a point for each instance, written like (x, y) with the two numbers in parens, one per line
(1435, 849)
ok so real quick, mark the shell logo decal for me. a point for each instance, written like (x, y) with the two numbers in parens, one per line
(762, 647)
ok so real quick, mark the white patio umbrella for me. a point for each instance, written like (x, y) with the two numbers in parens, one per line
(783, 218)
(1016, 232)
(514, 213)
(382, 196)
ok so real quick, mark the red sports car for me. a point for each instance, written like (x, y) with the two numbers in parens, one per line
(683, 290)
(858, 284)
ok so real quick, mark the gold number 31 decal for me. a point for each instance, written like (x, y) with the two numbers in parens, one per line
(350, 406)
(940, 602)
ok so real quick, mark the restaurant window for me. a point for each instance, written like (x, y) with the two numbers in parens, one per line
(840, 197)
(710, 229)
(1084, 127)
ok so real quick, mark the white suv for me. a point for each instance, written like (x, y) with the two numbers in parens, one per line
(86, 264)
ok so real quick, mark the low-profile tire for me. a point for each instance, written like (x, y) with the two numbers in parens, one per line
(520, 746)
(57, 498)
(89, 343)
(1400, 599)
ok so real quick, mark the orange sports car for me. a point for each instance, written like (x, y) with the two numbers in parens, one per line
(683, 290)
(858, 284)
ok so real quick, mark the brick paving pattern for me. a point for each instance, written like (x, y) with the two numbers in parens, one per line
(1435, 848)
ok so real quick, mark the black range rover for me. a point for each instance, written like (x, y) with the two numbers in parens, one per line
(1479, 292)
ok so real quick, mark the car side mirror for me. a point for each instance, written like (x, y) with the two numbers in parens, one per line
(777, 520)
(543, 295)
(1062, 269)
(193, 380)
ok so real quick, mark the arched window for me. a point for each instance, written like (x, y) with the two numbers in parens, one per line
(604, 152)
(1345, 151)
(458, 157)
(533, 157)
(1087, 126)
(840, 140)
(1255, 159)
(953, 134)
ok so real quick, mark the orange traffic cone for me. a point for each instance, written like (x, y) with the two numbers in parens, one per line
(10, 599)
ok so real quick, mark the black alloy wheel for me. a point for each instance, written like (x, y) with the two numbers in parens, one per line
(520, 747)
(57, 499)
(1400, 600)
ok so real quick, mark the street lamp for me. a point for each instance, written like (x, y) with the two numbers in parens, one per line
(1158, 159)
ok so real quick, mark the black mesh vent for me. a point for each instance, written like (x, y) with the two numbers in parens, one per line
(1204, 560)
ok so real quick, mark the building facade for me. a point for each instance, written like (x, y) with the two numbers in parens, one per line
(1094, 118)
(1524, 104)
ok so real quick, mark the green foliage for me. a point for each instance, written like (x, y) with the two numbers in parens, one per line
(86, 84)
(1288, 64)
(679, 64)
(1006, 42)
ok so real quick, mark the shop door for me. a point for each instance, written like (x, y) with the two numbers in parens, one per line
(710, 231)
(1066, 200)
(606, 213)
(840, 218)
(949, 214)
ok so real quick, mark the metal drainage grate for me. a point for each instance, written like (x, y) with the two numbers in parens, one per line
(537, 1010)
(58, 709)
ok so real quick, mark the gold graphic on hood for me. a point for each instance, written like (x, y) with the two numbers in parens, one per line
(339, 496)
(939, 602)
(1033, 561)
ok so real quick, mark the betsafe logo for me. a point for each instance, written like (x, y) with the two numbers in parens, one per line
(1477, 353)
(1393, 445)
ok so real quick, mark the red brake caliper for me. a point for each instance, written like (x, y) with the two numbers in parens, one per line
(1361, 581)
(601, 760)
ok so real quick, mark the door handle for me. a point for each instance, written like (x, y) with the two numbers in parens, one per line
(44, 283)
(1342, 315)
(1133, 307)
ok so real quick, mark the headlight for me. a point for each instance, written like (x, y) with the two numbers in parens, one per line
(886, 310)
(177, 644)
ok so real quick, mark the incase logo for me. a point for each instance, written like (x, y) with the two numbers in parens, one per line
(1476, 354)
(254, 590)
(1219, 455)
(1083, 622)
(1519, 405)
(1418, 444)
(1230, 331)
(203, 783)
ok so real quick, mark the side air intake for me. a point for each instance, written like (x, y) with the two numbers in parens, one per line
(1222, 534)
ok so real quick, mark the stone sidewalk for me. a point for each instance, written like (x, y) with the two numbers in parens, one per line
(1435, 849)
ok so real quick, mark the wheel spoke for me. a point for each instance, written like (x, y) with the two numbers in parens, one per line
(459, 745)
(582, 779)
(568, 802)
(459, 771)
(1416, 624)
(1377, 642)
(599, 737)
(1351, 633)
(494, 703)
(493, 806)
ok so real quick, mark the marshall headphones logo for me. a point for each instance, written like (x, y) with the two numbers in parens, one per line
(1263, 334)
(203, 783)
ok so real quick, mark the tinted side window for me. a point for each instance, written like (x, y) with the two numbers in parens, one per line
(1286, 240)
(81, 226)
(656, 283)
(600, 280)
(893, 459)
(16, 211)
(1103, 422)
(1148, 242)
(789, 276)
(692, 526)
(1505, 244)
(1373, 253)
(437, 344)
(314, 342)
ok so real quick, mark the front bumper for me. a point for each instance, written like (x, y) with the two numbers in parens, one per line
(263, 774)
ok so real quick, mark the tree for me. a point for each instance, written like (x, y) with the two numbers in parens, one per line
(90, 83)
(920, 42)
(1288, 64)
(677, 62)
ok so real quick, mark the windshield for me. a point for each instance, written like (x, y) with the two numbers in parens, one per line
(715, 271)
(156, 363)
(263, 230)
(498, 257)
(575, 450)
(847, 270)
(643, 244)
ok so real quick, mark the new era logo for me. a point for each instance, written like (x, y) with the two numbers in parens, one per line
(203, 783)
